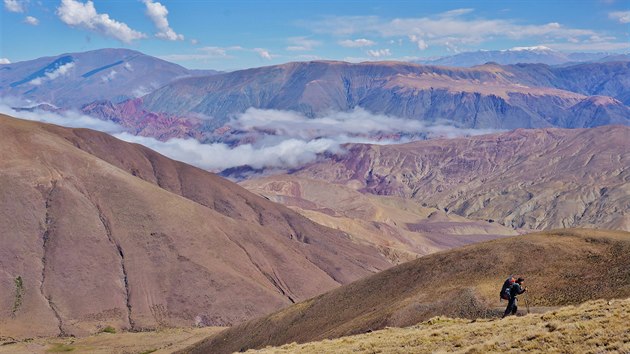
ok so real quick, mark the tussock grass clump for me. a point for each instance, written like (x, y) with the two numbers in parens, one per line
(60, 348)
(593, 327)
(19, 294)
(108, 329)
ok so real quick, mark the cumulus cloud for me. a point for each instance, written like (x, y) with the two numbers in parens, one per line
(452, 29)
(379, 53)
(71, 119)
(356, 43)
(84, 15)
(157, 13)
(5, 61)
(51, 75)
(31, 21)
(302, 44)
(263, 53)
(422, 45)
(620, 16)
(14, 5)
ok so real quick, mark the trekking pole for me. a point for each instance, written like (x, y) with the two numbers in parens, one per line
(527, 302)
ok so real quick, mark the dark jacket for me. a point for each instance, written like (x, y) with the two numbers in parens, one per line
(516, 289)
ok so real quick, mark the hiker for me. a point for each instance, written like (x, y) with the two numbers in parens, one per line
(513, 291)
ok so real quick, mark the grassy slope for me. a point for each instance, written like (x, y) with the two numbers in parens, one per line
(562, 267)
(593, 327)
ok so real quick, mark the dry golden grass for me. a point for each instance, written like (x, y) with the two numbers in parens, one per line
(163, 341)
(593, 327)
(561, 267)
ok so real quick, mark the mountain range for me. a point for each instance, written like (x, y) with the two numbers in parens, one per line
(535, 54)
(73, 79)
(488, 96)
(163, 100)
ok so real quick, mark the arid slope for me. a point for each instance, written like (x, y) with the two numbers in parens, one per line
(399, 227)
(537, 179)
(562, 267)
(96, 232)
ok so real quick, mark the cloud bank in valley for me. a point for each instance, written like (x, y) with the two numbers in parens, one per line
(276, 140)
(71, 119)
(287, 139)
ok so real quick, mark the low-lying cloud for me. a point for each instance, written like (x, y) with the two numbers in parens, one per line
(275, 140)
(288, 153)
(70, 119)
(60, 71)
(358, 123)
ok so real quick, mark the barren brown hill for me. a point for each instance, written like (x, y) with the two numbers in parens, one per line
(97, 232)
(537, 179)
(399, 227)
(562, 267)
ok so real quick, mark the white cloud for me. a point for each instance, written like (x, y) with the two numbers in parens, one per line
(620, 16)
(286, 139)
(14, 5)
(157, 13)
(84, 15)
(356, 43)
(281, 139)
(422, 45)
(203, 54)
(302, 44)
(31, 21)
(141, 91)
(5, 61)
(194, 41)
(217, 157)
(307, 57)
(109, 76)
(453, 29)
(67, 119)
(379, 53)
(263, 53)
(48, 76)
(456, 12)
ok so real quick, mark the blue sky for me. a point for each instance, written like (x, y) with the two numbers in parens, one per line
(227, 35)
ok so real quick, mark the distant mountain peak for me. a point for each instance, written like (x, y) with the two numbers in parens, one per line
(537, 48)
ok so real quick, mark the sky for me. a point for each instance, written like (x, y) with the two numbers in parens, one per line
(230, 35)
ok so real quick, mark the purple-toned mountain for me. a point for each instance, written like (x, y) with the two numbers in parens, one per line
(536, 54)
(488, 96)
(73, 79)
(538, 179)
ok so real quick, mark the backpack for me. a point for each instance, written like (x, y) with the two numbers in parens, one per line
(505, 289)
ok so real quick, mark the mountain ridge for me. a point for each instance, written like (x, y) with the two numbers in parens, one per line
(112, 233)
